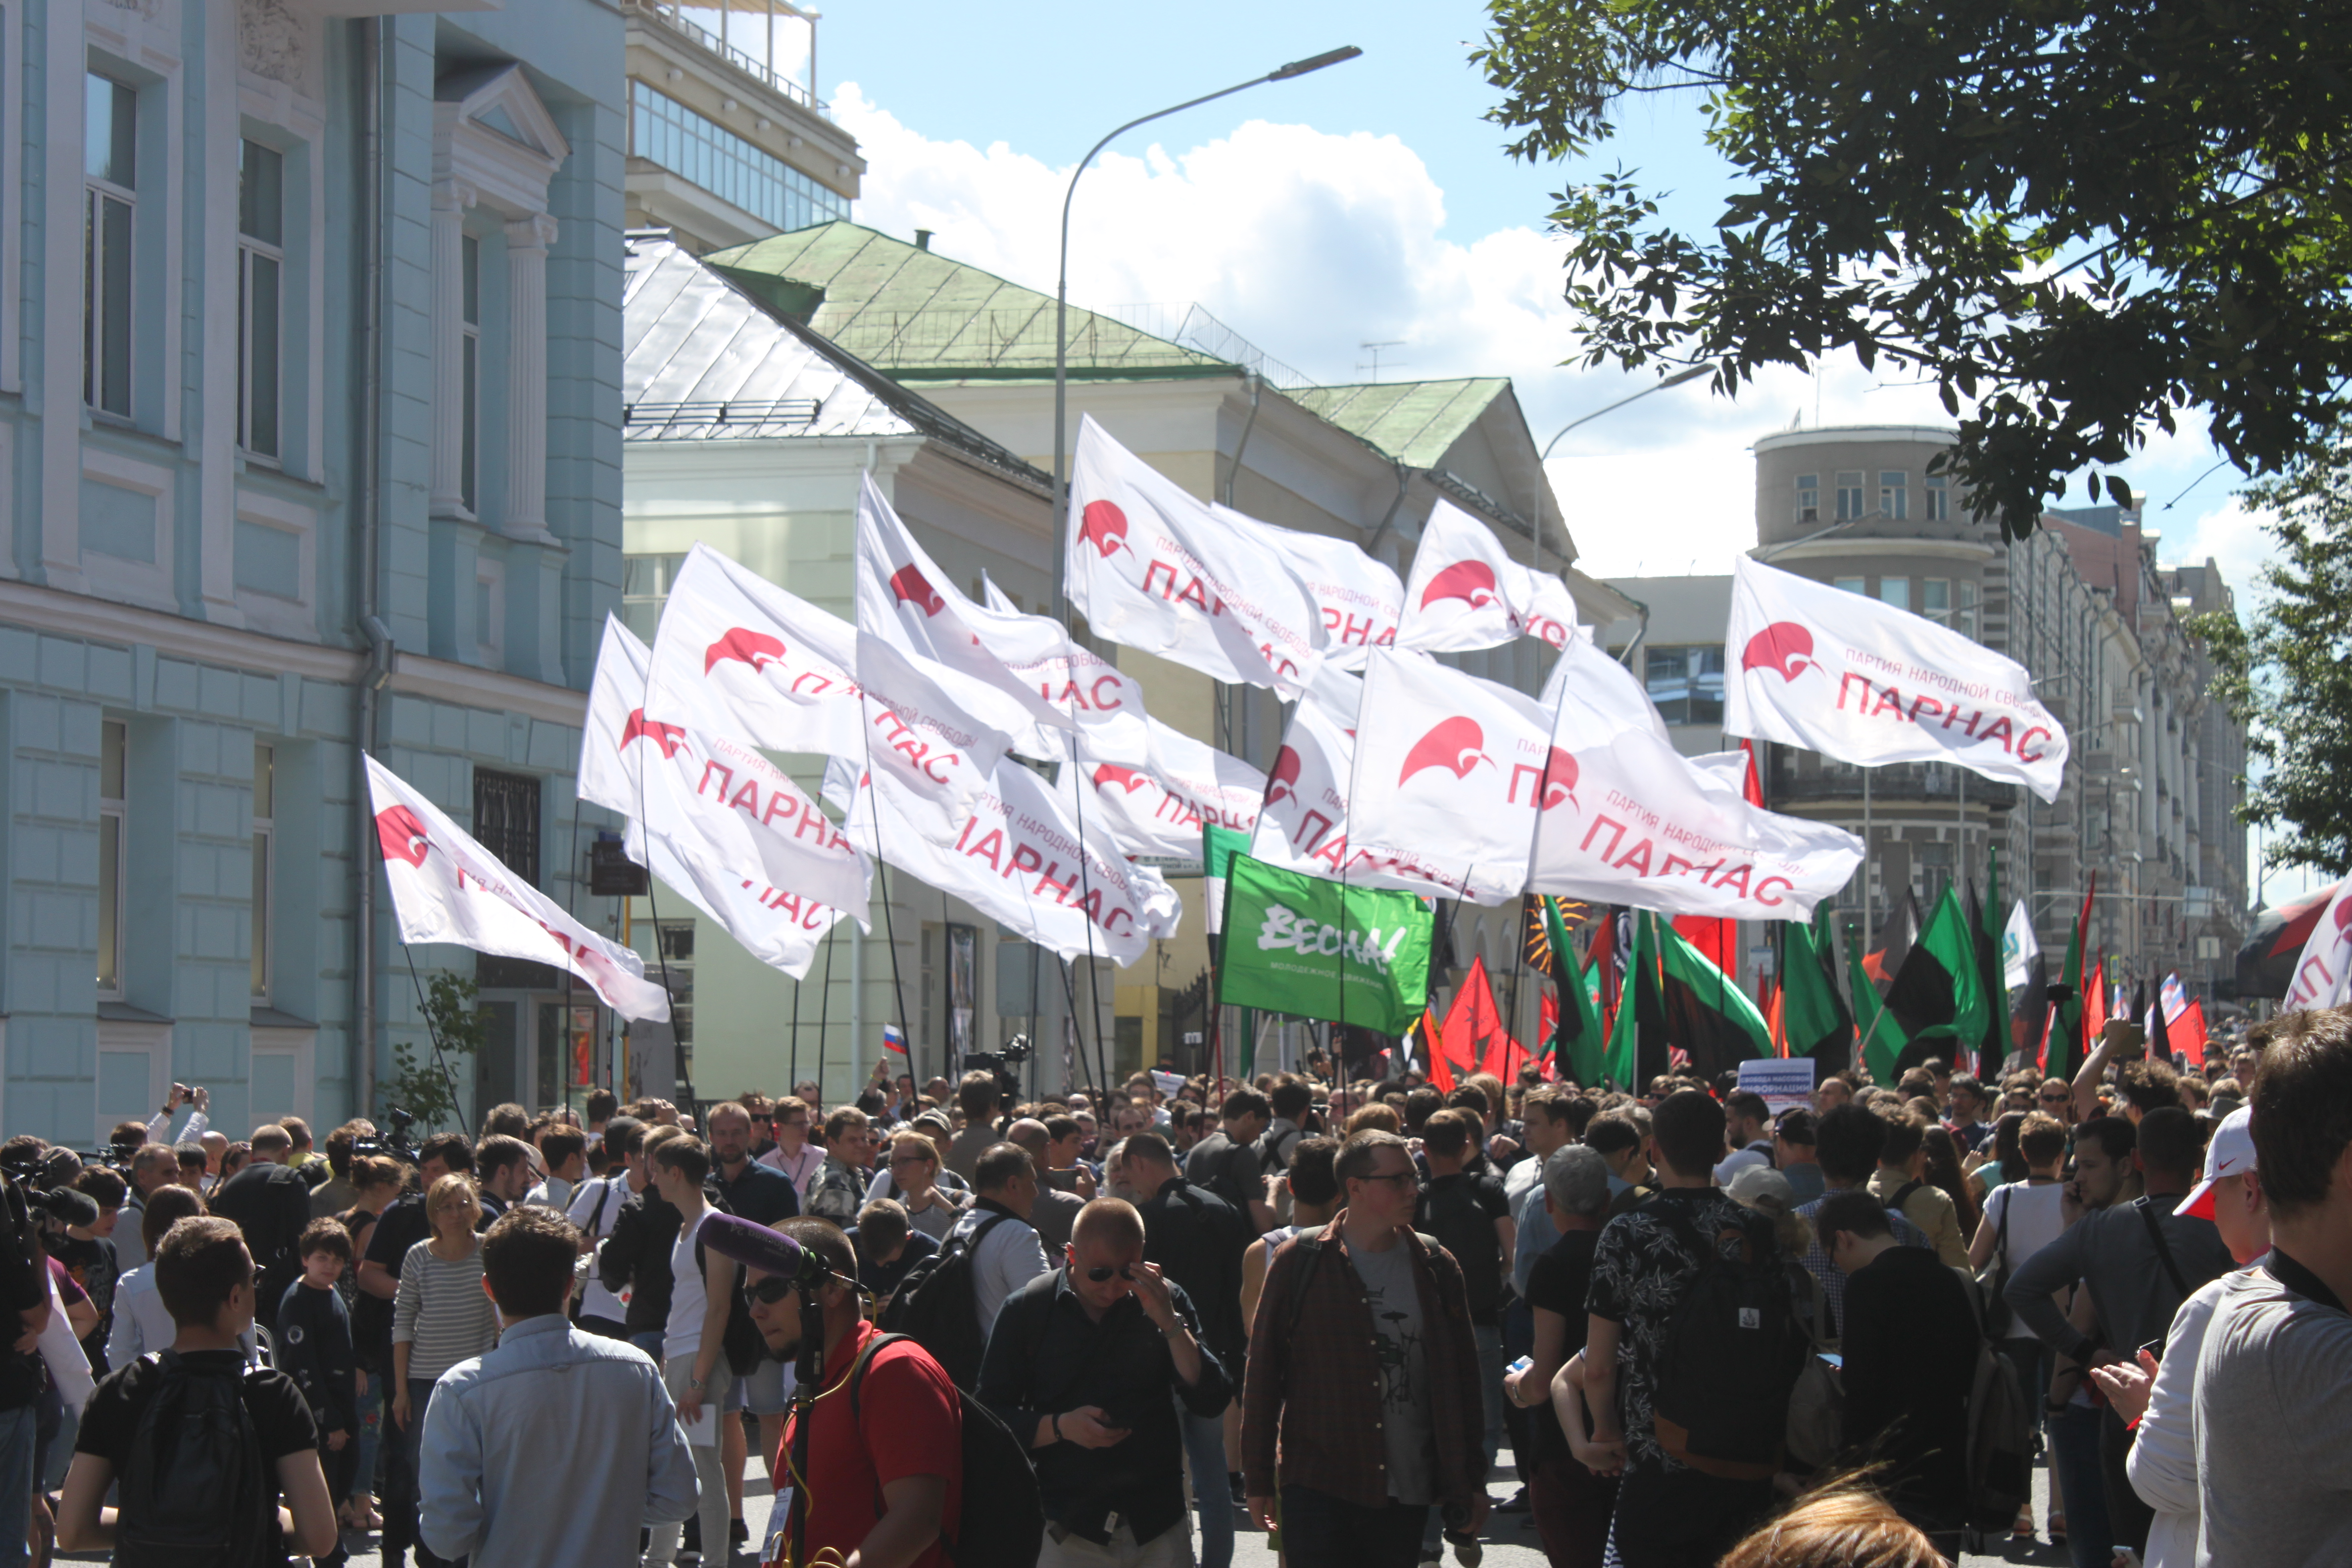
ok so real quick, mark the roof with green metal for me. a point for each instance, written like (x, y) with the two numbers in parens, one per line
(921, 315)
(1411, 422)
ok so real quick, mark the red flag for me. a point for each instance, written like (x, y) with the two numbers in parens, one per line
(2095, 1003)
(1475, 1038)
(1441, 1071)
(2188, 1030)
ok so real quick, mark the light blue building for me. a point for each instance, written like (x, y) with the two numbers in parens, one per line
(309, 436)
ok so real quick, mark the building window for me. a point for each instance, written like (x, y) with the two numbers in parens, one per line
(260, 266)
(1935, 600)
(1935, 499)
(665, 131)
(644, 588)
(1849, 497)
(110, 135)
(113, 746)
(1934, 872)
(1895, 494)
(264, 794)
(1895, 591)
(1968, 622)
(506, 820)
(1808, 498)
(1687, 683)
(1851, 585)
(469, 369)
(674, 967)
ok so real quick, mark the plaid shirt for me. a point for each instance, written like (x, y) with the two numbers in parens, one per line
(1314, 1377)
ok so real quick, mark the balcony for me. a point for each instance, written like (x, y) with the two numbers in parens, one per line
(756, 36)
(1907, 782)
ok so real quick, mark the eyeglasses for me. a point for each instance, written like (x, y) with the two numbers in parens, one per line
(769, 1291)
(1395, 1176)
(1101, 1272)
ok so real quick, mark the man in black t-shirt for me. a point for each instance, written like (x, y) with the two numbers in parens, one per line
(205, 1277)
(270, 1203)
(1571, 1504)
(1466, 1211)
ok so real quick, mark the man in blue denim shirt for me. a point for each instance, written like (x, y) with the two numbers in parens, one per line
(490, 1489)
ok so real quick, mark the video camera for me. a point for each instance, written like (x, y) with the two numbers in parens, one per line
(395, 1142)
(61, 1206)
(1002, 1063)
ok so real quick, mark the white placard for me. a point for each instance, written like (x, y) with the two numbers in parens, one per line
(1782, 1084)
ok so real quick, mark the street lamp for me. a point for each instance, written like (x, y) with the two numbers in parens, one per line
(1062, 293)
(1692, 373)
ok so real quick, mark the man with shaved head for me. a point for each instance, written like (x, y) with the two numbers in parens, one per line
(1056, 1209)
(270, 1203)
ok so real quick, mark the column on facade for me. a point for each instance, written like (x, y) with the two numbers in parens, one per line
(450, 200)
(526, 242)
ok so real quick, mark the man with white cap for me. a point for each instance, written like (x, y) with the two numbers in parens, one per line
(2161, 1394)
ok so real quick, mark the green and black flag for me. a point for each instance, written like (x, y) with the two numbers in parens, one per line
(1814, 1021)
(1939, 994)
(1715, 1022)
(1983, 918)
(2064, 1051)
(1879, 1040)
(1578, 1050)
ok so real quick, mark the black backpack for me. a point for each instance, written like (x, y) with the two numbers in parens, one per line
(937, 1306)
(1732, 1351)
(195, 1493)
(1002, 1523)
(1228, 1186)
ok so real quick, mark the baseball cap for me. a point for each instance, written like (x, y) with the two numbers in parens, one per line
(2230, 1152)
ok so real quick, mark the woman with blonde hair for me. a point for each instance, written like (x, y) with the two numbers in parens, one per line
(442, 1315)
(1847, 1526)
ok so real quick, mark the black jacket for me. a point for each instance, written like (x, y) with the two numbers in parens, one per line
(1910, 1348)
(271, 1204)
(314, 1348)
(1197, 1239)
(637, 1255)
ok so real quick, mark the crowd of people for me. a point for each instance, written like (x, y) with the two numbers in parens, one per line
(1708, 1330)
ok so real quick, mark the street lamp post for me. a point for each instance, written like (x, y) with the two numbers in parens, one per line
(1061, 296)
(1691, 372)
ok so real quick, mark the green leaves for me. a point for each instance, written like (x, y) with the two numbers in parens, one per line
(2083, 220)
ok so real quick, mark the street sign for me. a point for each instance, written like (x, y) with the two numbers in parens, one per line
(1783, 1084)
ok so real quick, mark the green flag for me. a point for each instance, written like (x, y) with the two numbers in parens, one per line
(1813, 1018)
(1623, 1061)
(1582, 1052)
(1218, 846)
(1938, 994)
(1879, 1036)
(1715, 1022)
(2063, 1056)
(1318, 949)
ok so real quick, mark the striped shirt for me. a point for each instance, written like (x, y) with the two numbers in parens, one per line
(441, 1313)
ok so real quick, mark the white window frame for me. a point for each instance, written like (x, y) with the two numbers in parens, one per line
(115, 818)
(1966, 607)
(1936, 499)
(1895, 493)
(1941, 615)
(1903, 603)
(265, 870)
(252, 253)
(1808, 498)
(98, 333)
(1850, 495)
(469, 373)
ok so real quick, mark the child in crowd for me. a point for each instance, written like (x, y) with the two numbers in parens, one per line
(314, 1347)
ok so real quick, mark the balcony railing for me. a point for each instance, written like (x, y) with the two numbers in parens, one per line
(672, 16)
(1899, 782)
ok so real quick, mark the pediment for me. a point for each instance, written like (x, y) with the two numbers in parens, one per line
(493, 133)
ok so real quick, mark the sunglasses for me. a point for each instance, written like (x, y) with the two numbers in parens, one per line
(1395, 1176)
(1101, 1273)
(768, 1292)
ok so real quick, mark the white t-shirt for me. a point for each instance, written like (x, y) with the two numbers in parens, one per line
(1738, 1161)
(596, 1204)
(688, 1300)
(2035, 1222)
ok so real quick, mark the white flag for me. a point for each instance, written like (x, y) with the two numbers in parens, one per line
(1072, 678)
(780, 930)
(1302, 825)
(1159, 809)
(1017, 859)
(919, 735)
(447, 888)
(1865, 682)
(1604, 693)
(905, 598)
(1451, 771)
(2323, 974)
(1466, 592)
(713, 803)
(777, 668)
(1153, 568)
(2018, 948)
(1361, 601)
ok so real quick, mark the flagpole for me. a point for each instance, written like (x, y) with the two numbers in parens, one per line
(823, 1023)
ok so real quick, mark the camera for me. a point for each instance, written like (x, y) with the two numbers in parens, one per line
(395, 1140)
(1002, 1063)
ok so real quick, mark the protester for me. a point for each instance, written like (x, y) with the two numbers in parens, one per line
(1848, 1140)
(1846, 1527)
(2277, 1355)
(1471, 1218)
(1910, 1360)
(1794, 1155)
(913, 1181)
(1747, 1122)
(1197, 1239)
(595, 1212)
(1005, 1251)
(2019, 1219)
(486, 1466)
(152, 1170)
(565, 1150)
(314, 1347)
(1315, 1197)
(270, 1203)
(838, 1188)
(976, 1094)
(141, 1322)
(1360, 1407)
(2139, 1261)
(440, 1318)
(205, 1277)
(887, 1250)
(1226, 1162)
(1061, 1192)
(501, 1166)
(881, 1474)
(794, 1154)
(761, 1194)
(1081, 1365)
(635, 1257)
(702, 1294)
(1571, 1505)
(1900, 1184)
(1620, 1140)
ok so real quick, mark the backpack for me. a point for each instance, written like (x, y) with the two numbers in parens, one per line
(2001, 1439)
(1231, 1188)
(938, 1305)
(195, 1492)
(1732, 1351)
(741, 1342)
(1002, 1523)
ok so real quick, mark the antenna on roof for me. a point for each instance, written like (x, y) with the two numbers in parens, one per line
(1374, 350)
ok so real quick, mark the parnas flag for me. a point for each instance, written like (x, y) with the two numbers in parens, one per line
(1467, 592)
(778, 668)
(1360, 600)
(1316, 949)
(1862, 682)
(2322, 974)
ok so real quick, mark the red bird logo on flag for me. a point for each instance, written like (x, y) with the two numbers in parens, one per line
(402, 835)
(1104, 526)
(1455, 744)
(1558, 781)
(913, 588)
(757, 649)
(1784, 648)
(669, 737)
(1472, 581)
(1283, 783)
(1126, 778)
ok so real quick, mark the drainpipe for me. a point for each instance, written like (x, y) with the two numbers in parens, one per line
(368, 471)
(1233, 474)
(1404, 480)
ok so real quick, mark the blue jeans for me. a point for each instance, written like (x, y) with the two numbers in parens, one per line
(649, 1342)
(17, 1439)
(2082, 1483)
(369, 1437)
(1204, 1454)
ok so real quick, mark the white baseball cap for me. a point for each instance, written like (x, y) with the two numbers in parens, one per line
(2230, 1152)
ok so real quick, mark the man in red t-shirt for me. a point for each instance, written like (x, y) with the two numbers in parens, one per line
(904, 1442)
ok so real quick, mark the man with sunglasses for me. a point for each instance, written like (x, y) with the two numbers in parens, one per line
(1081, 1364)
(2054, 1098)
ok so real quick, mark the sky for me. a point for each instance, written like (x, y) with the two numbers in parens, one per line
(1370, 202)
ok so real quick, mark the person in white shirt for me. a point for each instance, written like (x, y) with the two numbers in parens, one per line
(1007, 1254)
(702, 1293)
(793, 1154)
(565, 1150)
(2162, 1394)
(2019, 1219)
(596, 1206)
(1747, 1127)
